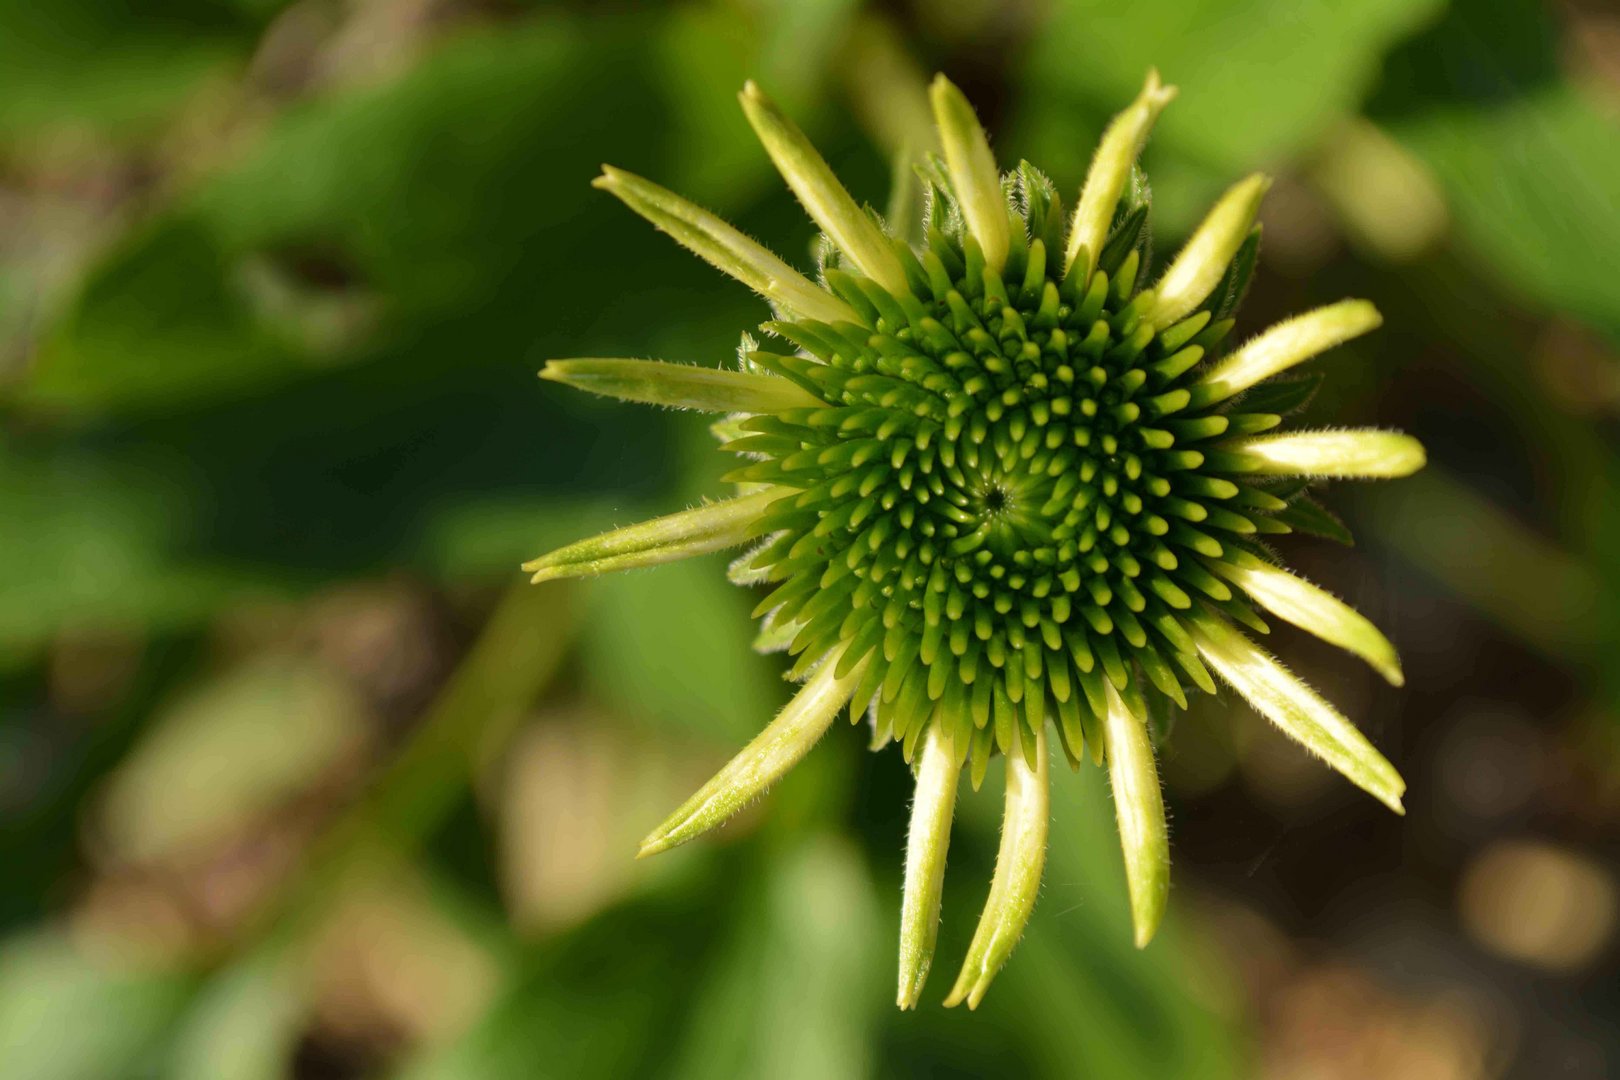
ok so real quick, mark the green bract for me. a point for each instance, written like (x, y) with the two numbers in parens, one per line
(1004, 493)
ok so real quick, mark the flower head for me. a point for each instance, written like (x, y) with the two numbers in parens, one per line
(1006, 495)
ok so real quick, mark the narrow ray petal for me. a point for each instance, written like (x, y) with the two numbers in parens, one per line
(1312, 608)
(1203, 260)
(1121, 145)
(932, 808)
(1286, 344)
(676, 536)
(723, 247)
(973, 171)
(1139, 807)
(682, 386)
(1297, 709)
(1352, 454)
(762, 762)
(1017, 879)
(823, 196)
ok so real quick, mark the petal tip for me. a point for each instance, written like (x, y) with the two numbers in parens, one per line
(1155, 92)
(659, 841)
(542, 570)
(910, 993)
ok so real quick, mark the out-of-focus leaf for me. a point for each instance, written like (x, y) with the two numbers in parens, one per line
(171, 290)
(443, 197)
(66, 1016)
(1548, 598)
(243, 1025)
(670, 646)
(1527, 162)
(584, 1007)
(85, 540)
(111, 66)
(458, 195)
(800, 984)
(229, 753)
(1260, 80)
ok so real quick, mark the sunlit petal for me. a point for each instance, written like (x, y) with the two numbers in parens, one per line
(723, 247)
(762, 762)
(713, 527)
(1110, 169)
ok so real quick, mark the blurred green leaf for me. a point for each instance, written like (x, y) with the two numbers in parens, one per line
(1261, 81)
(582, 1008)
(443, 197)
(227, 755)
(243, 1025)
(800, 985)
(229, 456)
(114, 67)
(670, 647)
(159, 320)
(87, 540)
(65, 1016)
(1528, 162)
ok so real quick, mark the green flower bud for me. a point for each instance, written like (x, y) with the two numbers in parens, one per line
(1006, 494)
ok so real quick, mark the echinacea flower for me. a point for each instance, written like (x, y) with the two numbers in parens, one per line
(1004, 494)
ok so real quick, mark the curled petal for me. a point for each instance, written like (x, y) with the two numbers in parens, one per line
(1314, 609)
(973, 171)
(1353, 454)
(682, 386)
(1198, 268)
(1139, 807)
(932, 808)
(1118, 151)
(762, 762)
(723, 247)
(676, 536)
(823, 196)
(1297, 709)
(1286, 344)
(1017, 879)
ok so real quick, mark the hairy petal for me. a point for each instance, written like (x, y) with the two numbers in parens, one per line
(1198, 268)
(1284, 345)
(723, 247)
(681, 386)
(973, 171)
(1139, 807)
(1353, 454)
(823, 196)
(1017, 879)
(1297, 709)
(676, 536)
(762, 762)
(1121, 145)
(932, 808)
(1312, 608)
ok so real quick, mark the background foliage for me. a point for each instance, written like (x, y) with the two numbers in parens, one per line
(296, 778)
